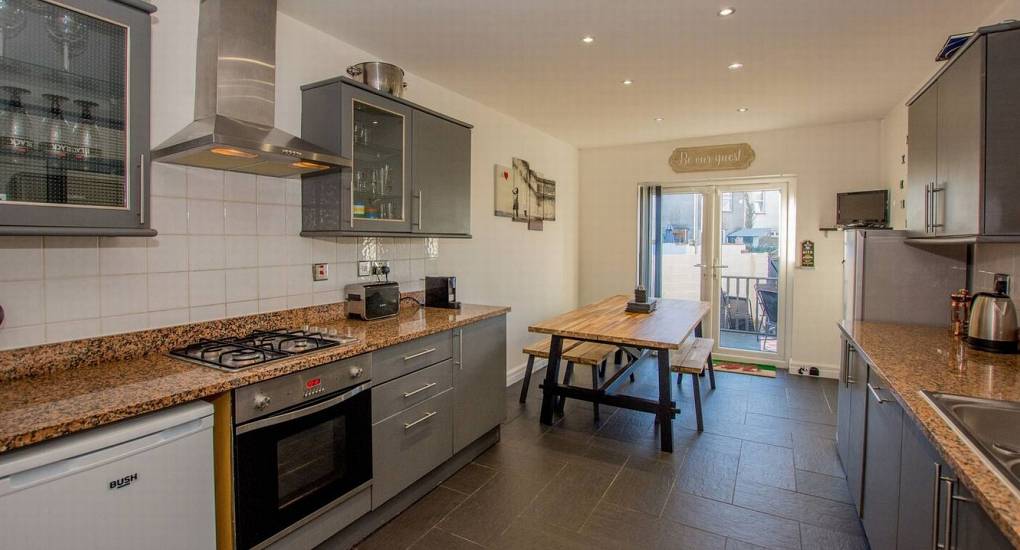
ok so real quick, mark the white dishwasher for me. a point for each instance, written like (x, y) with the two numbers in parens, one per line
(146, 482)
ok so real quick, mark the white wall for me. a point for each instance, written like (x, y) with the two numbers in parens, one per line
(825, 160)
(504, 264)
(894, 125)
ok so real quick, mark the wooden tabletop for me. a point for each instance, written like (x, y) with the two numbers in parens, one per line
(608, 321)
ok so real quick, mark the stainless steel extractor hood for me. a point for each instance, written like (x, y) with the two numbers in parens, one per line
(235, 99)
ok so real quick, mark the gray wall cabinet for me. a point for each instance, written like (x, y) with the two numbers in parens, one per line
(963, 151)
(74, 143)
(907, 495)
(479, 379)
(431, 402)
(412, 166)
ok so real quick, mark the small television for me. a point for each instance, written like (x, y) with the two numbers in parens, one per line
(863, 209)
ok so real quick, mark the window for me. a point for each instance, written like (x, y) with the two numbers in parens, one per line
(757, 201)
(727, 202)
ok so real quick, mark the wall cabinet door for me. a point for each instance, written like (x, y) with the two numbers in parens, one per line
(922, 148)
(375, 134)
(960, 131)
(479, 379)
(1002, 141)
(858, 385)
(74, 118)
(441, 183)
(880, 506)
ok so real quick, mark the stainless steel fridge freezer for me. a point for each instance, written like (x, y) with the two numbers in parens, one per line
(886, 279)
(146, 482)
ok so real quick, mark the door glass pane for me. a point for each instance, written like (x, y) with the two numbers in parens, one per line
(378, 140)
(750, 232)
(308, 460)
(63, 93)
(681, 238)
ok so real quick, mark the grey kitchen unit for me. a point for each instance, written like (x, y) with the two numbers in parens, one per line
(437, 395)
(74, 120)
(411, 172)
(852, 401)
(907, 496)
(963, 148)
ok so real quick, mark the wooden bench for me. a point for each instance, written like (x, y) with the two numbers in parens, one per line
(582, 353)
(693, 357)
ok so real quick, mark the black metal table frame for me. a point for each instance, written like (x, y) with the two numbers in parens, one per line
(664, 408)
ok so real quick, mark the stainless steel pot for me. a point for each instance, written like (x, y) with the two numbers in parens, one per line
(384, 77)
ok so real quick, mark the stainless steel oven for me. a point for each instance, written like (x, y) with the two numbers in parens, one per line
(302, 445)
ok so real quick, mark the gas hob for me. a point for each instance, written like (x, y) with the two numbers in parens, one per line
(260, 348)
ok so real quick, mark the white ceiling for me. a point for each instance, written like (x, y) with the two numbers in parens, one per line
(807, 62)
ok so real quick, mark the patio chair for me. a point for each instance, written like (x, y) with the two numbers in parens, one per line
(768, 308)
(737, 313)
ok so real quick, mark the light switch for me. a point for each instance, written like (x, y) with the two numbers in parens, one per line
(320, 272)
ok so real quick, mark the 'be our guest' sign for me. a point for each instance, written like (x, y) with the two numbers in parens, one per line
(733, 156)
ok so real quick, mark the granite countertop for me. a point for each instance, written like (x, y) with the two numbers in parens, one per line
(38, 406)
(912, 358)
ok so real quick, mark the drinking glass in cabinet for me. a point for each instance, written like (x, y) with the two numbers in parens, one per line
(68, 33)
(12, 21)
(378, 143)
(15, 124)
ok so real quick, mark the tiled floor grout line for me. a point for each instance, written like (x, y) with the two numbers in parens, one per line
(459, 504)
(534, 498)
(602, 497)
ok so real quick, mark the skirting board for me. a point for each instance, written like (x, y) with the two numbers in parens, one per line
(516, 374)
(824, 371)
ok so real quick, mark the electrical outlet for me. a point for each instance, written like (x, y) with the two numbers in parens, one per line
(364, 269)
(320, 272)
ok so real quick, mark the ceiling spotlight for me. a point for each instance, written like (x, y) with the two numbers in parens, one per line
(743, 110)
(658, 119)
(735, 66)
(627, 82)
(726, 12)
(588, 39)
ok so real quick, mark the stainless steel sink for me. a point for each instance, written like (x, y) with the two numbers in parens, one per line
(992, 426)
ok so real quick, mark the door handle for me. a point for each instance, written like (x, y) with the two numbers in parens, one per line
(141, 190)
(927, 208)
(950, 500)
(874, 391)
(421, 200)
(935, 192)
(936, 491)
(419, 390)
(427, 416)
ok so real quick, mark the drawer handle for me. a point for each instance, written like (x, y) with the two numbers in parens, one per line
(874, 391)
(420, 420)
(419, 390)
(419, 354)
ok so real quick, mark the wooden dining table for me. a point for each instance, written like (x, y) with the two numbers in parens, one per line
(608, 322)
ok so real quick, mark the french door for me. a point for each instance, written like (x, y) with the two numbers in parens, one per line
(723, 243)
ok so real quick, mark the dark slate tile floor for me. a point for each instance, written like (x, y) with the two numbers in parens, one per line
(763, 474)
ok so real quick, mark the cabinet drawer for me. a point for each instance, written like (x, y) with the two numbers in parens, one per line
(406, 391)
(410, 444)
(389, 363)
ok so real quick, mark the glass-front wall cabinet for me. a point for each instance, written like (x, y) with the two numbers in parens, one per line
(378, 133)
(73, 115)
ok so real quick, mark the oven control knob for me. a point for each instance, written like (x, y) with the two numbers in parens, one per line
(262, 401)
(357, 371)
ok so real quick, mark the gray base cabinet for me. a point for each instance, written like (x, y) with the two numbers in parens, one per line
(431, 398)
(907, 495)
(880, 504)
(479, 379)
(851, 418)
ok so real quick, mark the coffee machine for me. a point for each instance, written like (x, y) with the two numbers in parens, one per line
(441, 292)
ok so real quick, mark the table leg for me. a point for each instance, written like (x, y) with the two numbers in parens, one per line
(665, 402)
(697, 330)
(552, 372)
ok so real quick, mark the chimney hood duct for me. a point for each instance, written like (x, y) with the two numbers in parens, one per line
(235, 99)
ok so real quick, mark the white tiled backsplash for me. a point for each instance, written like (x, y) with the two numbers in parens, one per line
(228, 245)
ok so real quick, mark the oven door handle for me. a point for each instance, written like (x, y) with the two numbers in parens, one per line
(299, 413)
